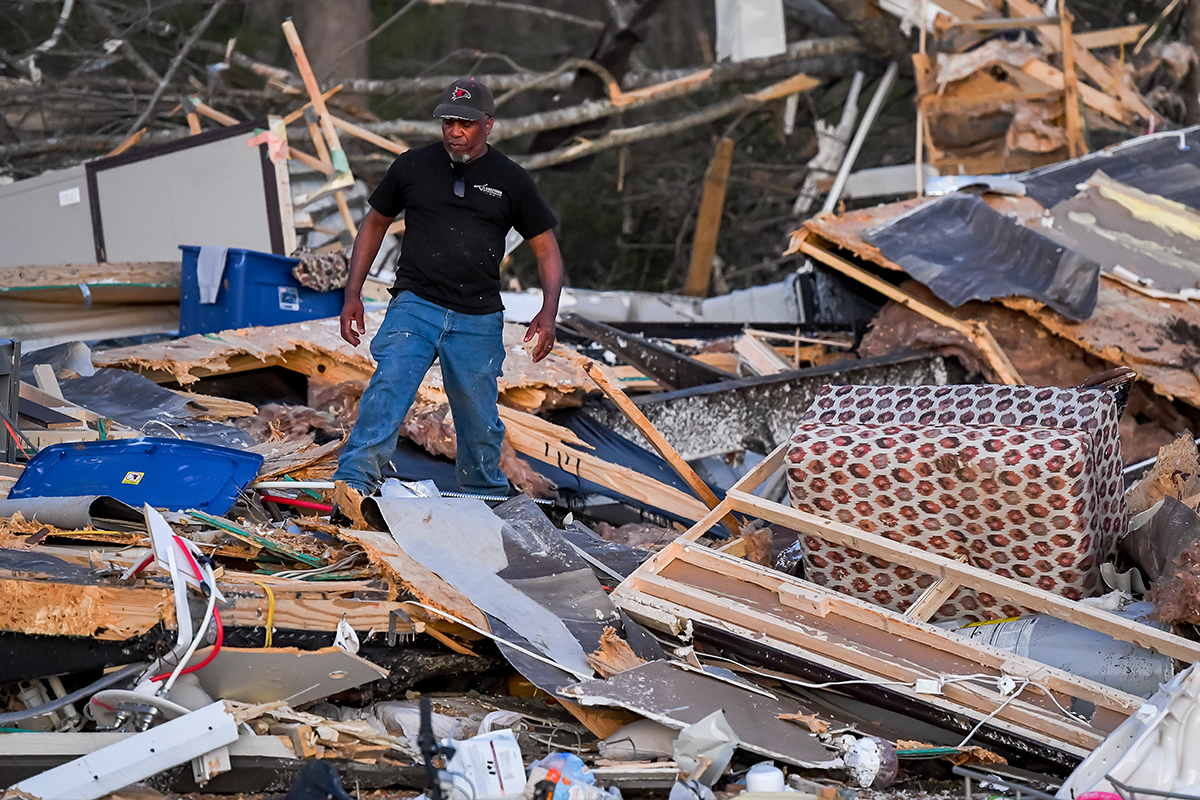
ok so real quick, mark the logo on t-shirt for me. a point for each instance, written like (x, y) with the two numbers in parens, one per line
(483, 187)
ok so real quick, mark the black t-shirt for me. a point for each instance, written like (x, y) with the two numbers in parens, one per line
(453, 245)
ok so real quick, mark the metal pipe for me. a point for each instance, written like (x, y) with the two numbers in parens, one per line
(87, 691)
(864, 127)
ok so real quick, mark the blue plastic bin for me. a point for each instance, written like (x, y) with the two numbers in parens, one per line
(166, 473)
(256, 289)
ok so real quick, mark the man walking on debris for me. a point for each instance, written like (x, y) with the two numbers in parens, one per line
(460, 197)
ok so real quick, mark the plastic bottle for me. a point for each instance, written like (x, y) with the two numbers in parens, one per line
(764, 777)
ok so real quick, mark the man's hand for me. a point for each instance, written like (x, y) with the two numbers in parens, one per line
(541, 326)
(353, 322)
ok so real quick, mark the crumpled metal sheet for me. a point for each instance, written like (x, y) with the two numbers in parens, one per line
(963, 250)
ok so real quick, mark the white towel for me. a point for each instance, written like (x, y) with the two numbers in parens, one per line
(210, 268)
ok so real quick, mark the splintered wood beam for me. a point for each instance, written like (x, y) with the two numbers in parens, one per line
(977, 332)
(664, 448)
(299, 112)
(708, 220)
(1076, 144)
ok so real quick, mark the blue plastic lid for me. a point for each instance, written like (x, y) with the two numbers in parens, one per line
(175, 474)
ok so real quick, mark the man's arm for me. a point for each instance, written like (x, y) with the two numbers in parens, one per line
(550, 273)
(366, 246)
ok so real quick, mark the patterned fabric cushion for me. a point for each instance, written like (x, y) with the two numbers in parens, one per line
(1022, 481)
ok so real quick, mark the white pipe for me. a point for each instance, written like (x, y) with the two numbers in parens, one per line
(860, 136)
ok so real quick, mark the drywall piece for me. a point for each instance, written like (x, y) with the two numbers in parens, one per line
(135, 758)
(678, 698)
(266, 675)
(749, 29)
(460, 539)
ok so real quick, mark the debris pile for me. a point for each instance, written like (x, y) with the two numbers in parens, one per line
(926, 509)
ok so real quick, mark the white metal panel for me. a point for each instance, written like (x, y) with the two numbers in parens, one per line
(47, 220)
(136, 758)
(211, 194)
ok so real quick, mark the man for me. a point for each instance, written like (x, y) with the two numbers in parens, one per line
(460, 197)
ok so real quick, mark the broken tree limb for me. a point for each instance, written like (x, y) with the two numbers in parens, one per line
(113, 32)
(663, 447)
(977, 332)
(749, 102)
(708, 220)
(193, 37)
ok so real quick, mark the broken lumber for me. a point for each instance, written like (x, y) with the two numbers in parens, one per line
(689, 582)
(708, 220)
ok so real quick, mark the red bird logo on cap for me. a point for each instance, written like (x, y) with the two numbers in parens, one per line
(460, 93)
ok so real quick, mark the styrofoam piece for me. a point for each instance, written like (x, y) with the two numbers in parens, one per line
(130, 760)
(1154, 750)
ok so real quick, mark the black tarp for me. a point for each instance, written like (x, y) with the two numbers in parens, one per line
(1166, 164)
(964, 250)
(143, 405)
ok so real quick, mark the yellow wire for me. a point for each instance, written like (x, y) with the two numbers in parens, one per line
(270, 611)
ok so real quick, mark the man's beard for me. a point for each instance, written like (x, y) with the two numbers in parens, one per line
(461, 158)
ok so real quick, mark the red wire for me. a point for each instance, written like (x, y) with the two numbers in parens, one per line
(295, 501)
(216, 619)
(15, 438)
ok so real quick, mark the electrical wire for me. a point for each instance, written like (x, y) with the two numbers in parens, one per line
(103, 683)
(16, 440)
(1024, 682)
(210, 614)
(270, 611)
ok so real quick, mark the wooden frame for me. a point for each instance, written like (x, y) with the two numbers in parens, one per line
(687, 581)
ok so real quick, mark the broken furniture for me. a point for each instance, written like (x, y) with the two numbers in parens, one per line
(824, 637)
(1024, 482)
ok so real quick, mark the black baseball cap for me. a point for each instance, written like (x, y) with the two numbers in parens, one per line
(466, 98)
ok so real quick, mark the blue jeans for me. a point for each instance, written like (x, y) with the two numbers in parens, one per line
(471, 350)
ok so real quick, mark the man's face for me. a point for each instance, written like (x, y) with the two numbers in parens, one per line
(465, 139)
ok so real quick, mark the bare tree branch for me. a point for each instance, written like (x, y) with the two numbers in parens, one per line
(133, 55)
(193, 37)
(623, 136)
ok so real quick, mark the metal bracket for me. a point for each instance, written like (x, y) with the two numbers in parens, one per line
(392, 635)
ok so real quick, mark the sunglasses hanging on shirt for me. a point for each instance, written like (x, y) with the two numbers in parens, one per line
(460, 183)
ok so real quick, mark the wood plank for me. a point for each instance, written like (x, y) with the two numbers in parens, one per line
(708, 220)
(664, 448)
(1076, 144)
(931, 600)
(381, 142)
(976, 331)
(1110, 37)
(142, 273)
(971, 700)
(872, 616)
(759, 357)
(1100, 101)
(47, 417)
(43, 375)
(528, 437)
(92, 611)
(406, 573)
(46, 438)
(967, 575)
(1091, 66)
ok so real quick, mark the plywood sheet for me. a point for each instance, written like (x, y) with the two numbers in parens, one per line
(316, 348)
